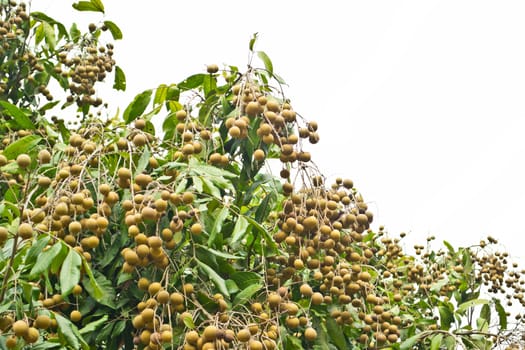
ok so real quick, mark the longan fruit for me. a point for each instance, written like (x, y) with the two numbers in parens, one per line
(139, 140)
(20, 328)
(23, 160)
(32, 335)
(42, 322)
(196, 229)
(154, 288)
(210, 333)
(75, 316)
(317, 298)
(244, 335)
(187, 197)
(11, 341)
(212, 68)
(310, 334)
(259, 155)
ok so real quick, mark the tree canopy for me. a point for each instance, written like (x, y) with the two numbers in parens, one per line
(198, 219)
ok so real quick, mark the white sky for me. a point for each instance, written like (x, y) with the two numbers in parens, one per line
(419, 102)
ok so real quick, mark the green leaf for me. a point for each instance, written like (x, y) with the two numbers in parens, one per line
(173, 93)
(70, 272)
(446, 317)
(90, 283)
(252, 41)
(223, 255)
(436, 341)
(192, 82)
(36, 249)
(65, 331)
(23, 145)
(137, 107)
(410, 342)
(19, 116)
(42, 17)
(45, 259)
(105, 289)
(93, 5)
(244, 279)
(485, 313)
(93, 326)
(160, 94)
(468, 304)
(245, 295)
(217, 224)
(214, 276)
(120, 79)
(337, 336)
(188, 322)
(240, 229)
(49, 34)
(449, 247)
(143, 161)
(502, 314)
(114, 29)
(266, 60)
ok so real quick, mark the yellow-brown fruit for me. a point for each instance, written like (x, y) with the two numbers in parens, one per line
(20, 328)
(166, 336)
(176, 298)
(252, 108)
(255, 345)
(77, 290)
(44, 181)
(163, 297)
(140, 124)
(23, 160)
(317, 298)
(31, 335)
(143, 283)
(212, 68)
(259, 155)
(147, 314)
(75, 316)
(42, 322)
(154, 288)
(188, 288)
(124, 173)
(210, 333)
(274, 300)
(187, 197)
(138, 322)
(131, 257)
(244, 335)
(196, 229)
(310, 334)
(292, 322)
(11, 341)
(139, 140)
(192, 337)
(155, 242)
(25, 231)
(234, 132)
(148, 213)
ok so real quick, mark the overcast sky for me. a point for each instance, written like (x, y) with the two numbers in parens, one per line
(421, 103)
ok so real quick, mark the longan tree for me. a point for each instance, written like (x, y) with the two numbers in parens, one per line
(198, 220)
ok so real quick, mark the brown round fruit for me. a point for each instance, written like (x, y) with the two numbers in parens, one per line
(75, 316)
(23, 160)
(310, 334)
(20, 328)
(25, 231)
(212, 68)
(244, 335)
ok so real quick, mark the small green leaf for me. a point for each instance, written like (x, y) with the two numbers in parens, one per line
(23, 145)
(446, 317)
(19, 116)
(240, 229)
(160, 94)
(252, 41)
(49, 34)
(192, 82)
(65, 331)
(436, 341)
(45, 259)
(188, 322)
(468, 304)
(217, 224)
(223, 255)
(410, 342)
(336, 334)
(214, 276)
(138, 106)
(245, 295)
(266, 60)
(449, 247)
(93, 326)
(70, 272)
(114, 29)
(143, 161)
(244, 279)
(98, 4)
(88, 6)
(90, 283)
(120, 79)
(502, 314)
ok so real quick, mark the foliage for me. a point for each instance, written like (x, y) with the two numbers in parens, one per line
(118, 235)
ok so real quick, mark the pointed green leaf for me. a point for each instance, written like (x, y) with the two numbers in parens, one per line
(19, 116)
(160, 94)
(214, 276)
(70, 272)
(137, 107)
(252, 41)
(23, 145)
(266, 60)
(90, 283)
(93, 326)
(192, 82)
(410, 342)
(65, 331)
(446, 317)
(244, 279)
(436, 341)
(471, 303)
(502, 314)
(215, 252)
(120, 79)
(449, 247)
(45, 259)
(245, 295)
(98, 4)
(336, 334)
(217, 224)
(240, 229)
(49, 34)
(114, 29)
(88, 6)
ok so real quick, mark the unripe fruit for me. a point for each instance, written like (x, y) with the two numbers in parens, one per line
(75, 316)
(23, 161)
